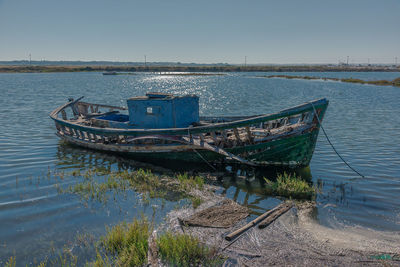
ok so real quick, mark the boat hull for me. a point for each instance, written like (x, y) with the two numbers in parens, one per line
(286, 138)
(291, 151)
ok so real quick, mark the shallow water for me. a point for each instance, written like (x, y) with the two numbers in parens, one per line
(361, 121)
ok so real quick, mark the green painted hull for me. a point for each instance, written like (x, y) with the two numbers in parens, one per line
(290, 151)
(248, 140)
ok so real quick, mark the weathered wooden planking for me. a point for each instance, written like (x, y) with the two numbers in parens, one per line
(218, 150)
(318, 104)
(286, 145)
(291, 151)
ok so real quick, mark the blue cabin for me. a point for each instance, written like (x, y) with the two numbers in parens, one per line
(160, 110)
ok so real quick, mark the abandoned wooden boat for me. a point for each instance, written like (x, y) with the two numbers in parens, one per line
(163, 126)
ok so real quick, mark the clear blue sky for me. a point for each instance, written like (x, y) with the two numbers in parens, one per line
(281, 31)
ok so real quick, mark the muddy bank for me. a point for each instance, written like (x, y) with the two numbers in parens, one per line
(293, 239)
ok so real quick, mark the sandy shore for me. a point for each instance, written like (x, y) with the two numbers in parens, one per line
(294, 239)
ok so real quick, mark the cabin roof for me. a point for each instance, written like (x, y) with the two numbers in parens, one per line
(159, 96)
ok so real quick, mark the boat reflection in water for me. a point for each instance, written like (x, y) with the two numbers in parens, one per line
(242, 183)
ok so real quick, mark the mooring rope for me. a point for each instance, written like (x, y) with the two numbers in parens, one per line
(329, 141)
(208, 163)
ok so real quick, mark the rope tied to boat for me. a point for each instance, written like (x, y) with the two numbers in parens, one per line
(329, 141)
(197, 152)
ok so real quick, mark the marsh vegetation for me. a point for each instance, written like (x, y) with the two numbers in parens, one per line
(101, 184)
(395, 82)
(129, 243)
(190, 68)
(290, 186)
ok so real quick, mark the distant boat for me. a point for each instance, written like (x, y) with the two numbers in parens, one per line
(167, 127)
(110, 73)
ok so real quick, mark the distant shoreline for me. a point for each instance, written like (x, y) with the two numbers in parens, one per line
(395, 82)
(205, 68)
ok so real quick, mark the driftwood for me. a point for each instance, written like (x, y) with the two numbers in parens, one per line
(257, 220)
(274, 215)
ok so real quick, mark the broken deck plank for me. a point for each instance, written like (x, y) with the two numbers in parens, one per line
(218, 150)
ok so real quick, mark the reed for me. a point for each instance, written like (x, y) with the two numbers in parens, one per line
(11, 262)
(142, 181)
(290, 185)
(185, 250)
(186, 182)
(128, 242)
(196, 202)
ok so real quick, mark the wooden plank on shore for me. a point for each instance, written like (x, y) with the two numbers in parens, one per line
(273, 216)
(257, 220)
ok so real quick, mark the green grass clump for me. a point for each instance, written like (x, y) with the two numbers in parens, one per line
(196, 202)
(100, 261)
(128, 243)
(186, 250)
(11, 262)
(290, 185)
(186, 182)
(141, 180)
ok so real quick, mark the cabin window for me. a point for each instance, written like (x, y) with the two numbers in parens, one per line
(153, 110)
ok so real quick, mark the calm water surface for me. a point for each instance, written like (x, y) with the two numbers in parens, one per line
(34, 218)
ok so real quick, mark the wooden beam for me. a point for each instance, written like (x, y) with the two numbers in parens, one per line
(236, 132)
(201, 138)
(64, 115)
(254, 222)
(214, 138)
(273, 216)
(249, 135)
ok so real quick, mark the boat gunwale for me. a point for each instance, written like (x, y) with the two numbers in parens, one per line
(307, 106)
